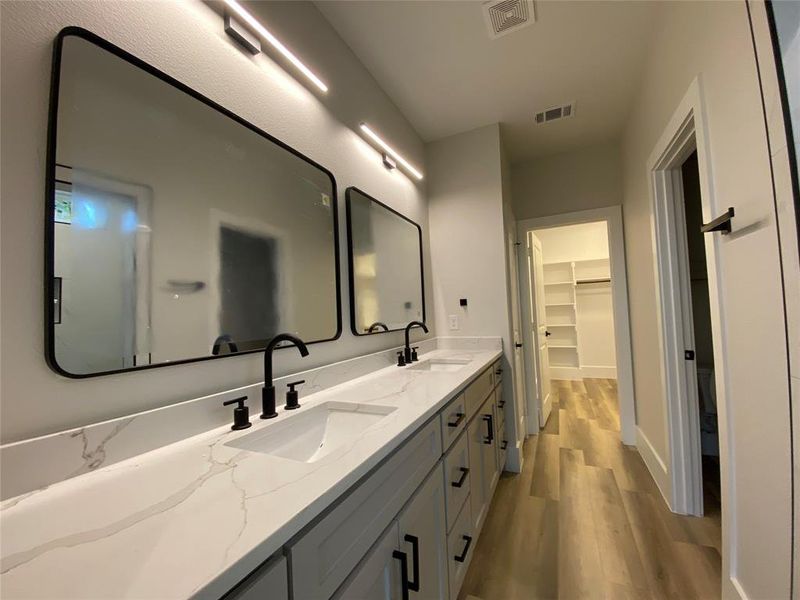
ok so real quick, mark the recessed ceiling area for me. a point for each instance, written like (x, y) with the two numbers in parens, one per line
(439, 65)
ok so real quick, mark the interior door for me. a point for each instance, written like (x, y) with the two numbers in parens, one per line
(539, 325)
(423, 537)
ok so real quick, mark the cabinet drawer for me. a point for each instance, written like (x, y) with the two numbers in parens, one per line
(501, 405)
(477, 391)
(497, 369)
(454, 420)
(456, 478)
(460, 548)
(270, 581)
(327, 552)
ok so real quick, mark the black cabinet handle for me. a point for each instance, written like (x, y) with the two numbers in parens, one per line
(414, 541)
(490, 422)
(547, 334)
(501, 404)
(463, 556)
(499, 372)
(504, 445)
(403, 558)
(457, 422)
(722, 223)
(518, 345)
(462, 479)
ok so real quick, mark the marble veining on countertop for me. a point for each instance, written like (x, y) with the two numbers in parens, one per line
(196, 516)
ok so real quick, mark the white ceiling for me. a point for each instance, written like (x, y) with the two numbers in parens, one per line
(438, 64)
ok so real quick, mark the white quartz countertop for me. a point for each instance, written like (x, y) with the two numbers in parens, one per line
(195, 517)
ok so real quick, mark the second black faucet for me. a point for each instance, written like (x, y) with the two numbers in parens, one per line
(408, 355)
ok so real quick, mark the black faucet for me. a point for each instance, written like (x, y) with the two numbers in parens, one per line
(268, 391)
(376, 325)
(407, 354)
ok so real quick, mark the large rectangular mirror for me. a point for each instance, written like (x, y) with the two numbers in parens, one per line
(385, 252)
(175, 230)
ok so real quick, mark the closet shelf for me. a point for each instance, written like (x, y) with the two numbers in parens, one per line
(559, 346)
(570, 282)
(559, 304)
(560, 325)
(600, 280)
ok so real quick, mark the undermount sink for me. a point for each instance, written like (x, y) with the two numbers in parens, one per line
(446, 365)
(314, 433)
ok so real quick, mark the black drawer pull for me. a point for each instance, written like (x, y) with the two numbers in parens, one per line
(501, 404)
(498, 372)
(414, 541)
(462, 479)
(504, 445)
(403, 558)
(463, 556)
(490, 429)
(459, 417)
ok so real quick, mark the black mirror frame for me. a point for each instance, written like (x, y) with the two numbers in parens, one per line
(350, 274)
(49, 210)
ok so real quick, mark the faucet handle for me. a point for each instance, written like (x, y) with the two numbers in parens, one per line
(241, 414)
(401, 359)
(414, 356)
(292, 395)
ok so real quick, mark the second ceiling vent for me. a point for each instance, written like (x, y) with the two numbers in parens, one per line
(505, 16)
(555, 113)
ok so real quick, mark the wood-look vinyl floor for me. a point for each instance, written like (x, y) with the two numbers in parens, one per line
(585, 519)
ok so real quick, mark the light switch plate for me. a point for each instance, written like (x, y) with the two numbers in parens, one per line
(453, 320)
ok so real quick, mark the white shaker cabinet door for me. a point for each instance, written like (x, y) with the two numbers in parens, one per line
(378, 576)
(423, 537)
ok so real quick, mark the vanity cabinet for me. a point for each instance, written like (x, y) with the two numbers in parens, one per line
(413, 520)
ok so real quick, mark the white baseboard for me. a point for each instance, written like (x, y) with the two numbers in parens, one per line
(565, 373)
(601, 372)
(655, 464)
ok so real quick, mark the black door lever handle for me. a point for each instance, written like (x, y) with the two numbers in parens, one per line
(722, 223)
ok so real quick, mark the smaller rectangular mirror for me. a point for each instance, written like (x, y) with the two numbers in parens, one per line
(386, 277)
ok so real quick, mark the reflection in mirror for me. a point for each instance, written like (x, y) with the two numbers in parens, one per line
(178, 231)
(386, 287)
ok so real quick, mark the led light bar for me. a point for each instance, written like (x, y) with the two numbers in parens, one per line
(390, 151)
(274, 42)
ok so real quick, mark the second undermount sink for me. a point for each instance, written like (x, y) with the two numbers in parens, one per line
(314, 433)
(440, 364)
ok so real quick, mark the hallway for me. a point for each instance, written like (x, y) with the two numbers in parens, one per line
(586, 520)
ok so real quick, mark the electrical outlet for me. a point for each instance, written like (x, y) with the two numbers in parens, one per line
(453, 319)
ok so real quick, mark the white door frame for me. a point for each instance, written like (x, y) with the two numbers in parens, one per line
(685, 133)
(612, 215)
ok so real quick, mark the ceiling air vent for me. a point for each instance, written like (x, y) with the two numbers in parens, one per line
(555, 113)
(505, 16)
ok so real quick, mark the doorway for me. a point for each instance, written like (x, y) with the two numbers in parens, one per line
(699, 334)
(576, 322)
